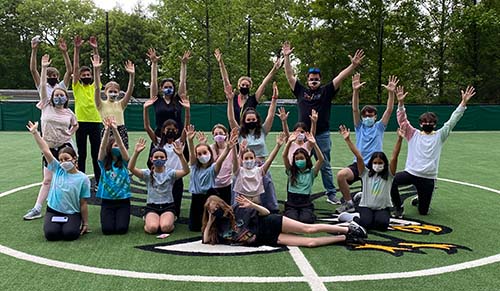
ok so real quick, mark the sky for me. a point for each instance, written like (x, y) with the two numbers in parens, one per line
(126, 5)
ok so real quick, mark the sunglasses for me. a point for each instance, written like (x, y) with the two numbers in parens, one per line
(314, 71)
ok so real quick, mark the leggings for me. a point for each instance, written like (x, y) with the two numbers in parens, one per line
(115, 216)
(373, 219)
(424, 186)
(92, 130)
(69, 230)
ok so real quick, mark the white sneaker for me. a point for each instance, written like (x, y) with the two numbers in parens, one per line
(32, 214)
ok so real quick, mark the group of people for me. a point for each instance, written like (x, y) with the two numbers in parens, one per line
(233, 195)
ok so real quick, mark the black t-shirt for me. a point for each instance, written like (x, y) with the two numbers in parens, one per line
(247, 227)
(238, 111)
(164, 111)
(319, 100)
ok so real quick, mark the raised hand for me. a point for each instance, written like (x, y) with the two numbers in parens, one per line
(228, 90)
(400, 93)
(35, 42)
(109, 122)
(46, 61)
(243, 144)
(62, 44)
(281, 138)
(93, 42)
(275, 90)
(278, 63)
(469, 92)
(344, 131)
(391, 85)
(96, 61)
(243, 202)
(356, 82)
(218, 55)
(292, 137)
(358, 57)
(130, 67)
(190, 131)
(150, 102)
(310, 138)
(78, 41)
(32, 127)
(401, 133)
(282, 114)
(201, 137)
(233, 139)
(152, 55)
(314, 116)
(184, 101)
(185, 57)
(140, 145)
(178, 148)
(286, 49)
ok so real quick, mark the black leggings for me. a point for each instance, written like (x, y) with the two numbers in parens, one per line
(115, 216)
(92, 130)
(424, 186)
(373, 219)
(69, 230)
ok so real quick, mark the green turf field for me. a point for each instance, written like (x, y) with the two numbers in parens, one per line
(470, 212)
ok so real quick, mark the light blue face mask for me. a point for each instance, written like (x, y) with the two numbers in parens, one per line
(116, 152)
(59, 99)
(168, 91)
(368, 121)
(301, 164)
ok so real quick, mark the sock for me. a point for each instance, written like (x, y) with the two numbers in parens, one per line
(38, 207)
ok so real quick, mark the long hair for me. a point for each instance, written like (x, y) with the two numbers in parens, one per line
(151, 170)
(385, 173)
(65, 105)
(211, 161)
(220, 126)
(294, 170)
(228, 213)
(108, 159)
(244, 131)
(70, 151)
(302, 125)
(163, 138)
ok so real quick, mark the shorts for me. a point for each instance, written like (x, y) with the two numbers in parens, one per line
(160, 208)
(55, 152)
(270, 227)
(354, 168)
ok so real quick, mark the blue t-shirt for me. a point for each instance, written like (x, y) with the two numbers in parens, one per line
(114, 183)
(67, 189)
(369, 139)
(201, 179)
(256, 144)
(160, 191)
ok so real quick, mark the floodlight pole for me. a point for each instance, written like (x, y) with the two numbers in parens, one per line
(107, 46)
(248, 46)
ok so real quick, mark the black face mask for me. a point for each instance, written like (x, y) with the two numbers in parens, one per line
(52, 81)
(86, 81)
(251, 125)
(170, 134)
(428, 128)
(244, 90)
(218, 213)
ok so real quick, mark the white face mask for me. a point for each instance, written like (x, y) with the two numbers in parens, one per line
(301, 137)
(378, 167)
(249, 164)
(219, 138)
(67, 166)
(113, 96)
(204, 158)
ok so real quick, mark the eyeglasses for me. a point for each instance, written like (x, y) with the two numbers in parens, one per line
(314, 71)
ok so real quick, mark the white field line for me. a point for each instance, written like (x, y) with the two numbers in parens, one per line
(307, 270)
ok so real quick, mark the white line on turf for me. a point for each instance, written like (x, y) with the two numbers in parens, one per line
(306, 269)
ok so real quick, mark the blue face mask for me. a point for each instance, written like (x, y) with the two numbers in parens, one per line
(168, 91)
(59, 99)
(368, 121)
(159, 163)
(301, 164)
(116, 152)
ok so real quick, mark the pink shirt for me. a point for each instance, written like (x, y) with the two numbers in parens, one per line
(294, 146)
(56, 123)
(249, 182)
(223, 179)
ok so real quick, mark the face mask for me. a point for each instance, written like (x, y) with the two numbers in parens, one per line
(301, 137)
(86, 81)
(168, 91)
(251, 125)
(378, 167)
(204, 158)
(67, 166)
(249, 164)
(52, 81)
(170, 134)
(113, 96)
(301, 164)
(59, 99)
(428, 128)
(244, 90)
(116, 152)
(368, 121)
(219, 138)
(313, 83)
(218, 213)
(159, 163)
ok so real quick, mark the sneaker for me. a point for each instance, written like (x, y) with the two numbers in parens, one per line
(357, 198)
(356, 233)
(333, 200)
(398, 212)
(347, 217)
(414, 201)
(32, 214)
(345, 207)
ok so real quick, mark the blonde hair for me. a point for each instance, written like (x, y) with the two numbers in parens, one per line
(111, 84)
(245, 78)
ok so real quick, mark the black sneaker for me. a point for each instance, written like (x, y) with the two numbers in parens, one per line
(414, 201)
(398, 212)
(356, 230)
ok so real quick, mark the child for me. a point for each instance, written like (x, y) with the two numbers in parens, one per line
(112, 106)
(67, 213)
(249, 177)
(301, 175)
(160, 179)
(248, 223)
(204, 169)
(376, 176)
(58, 125)
(114, 186)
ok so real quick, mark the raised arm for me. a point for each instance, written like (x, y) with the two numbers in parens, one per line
(67, 61)
(147, 124)
(267, 79)
(403, 122)
(153, 87)
(190, 136)
(139, 147)
(268, 123)
(355, 61)
(457, 114)
(391, 91)
(314, 122)
(280, 139)
(32, 127)
(118, 139)
(287, 50)
(222, 67)
(228, 90)
(283, 115)
(93, 45)
(243, 202)
(356, 87)
(43, 78)
(320, 158)
(35, 42)
(130, 68)
(236, 160)
(284, 155)
(178, 149)
(344, 131)
(182, 78)
(105, 139)
(395, 153)
(187, 114)
(233, 140)
(78, 41)
(96, 64)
